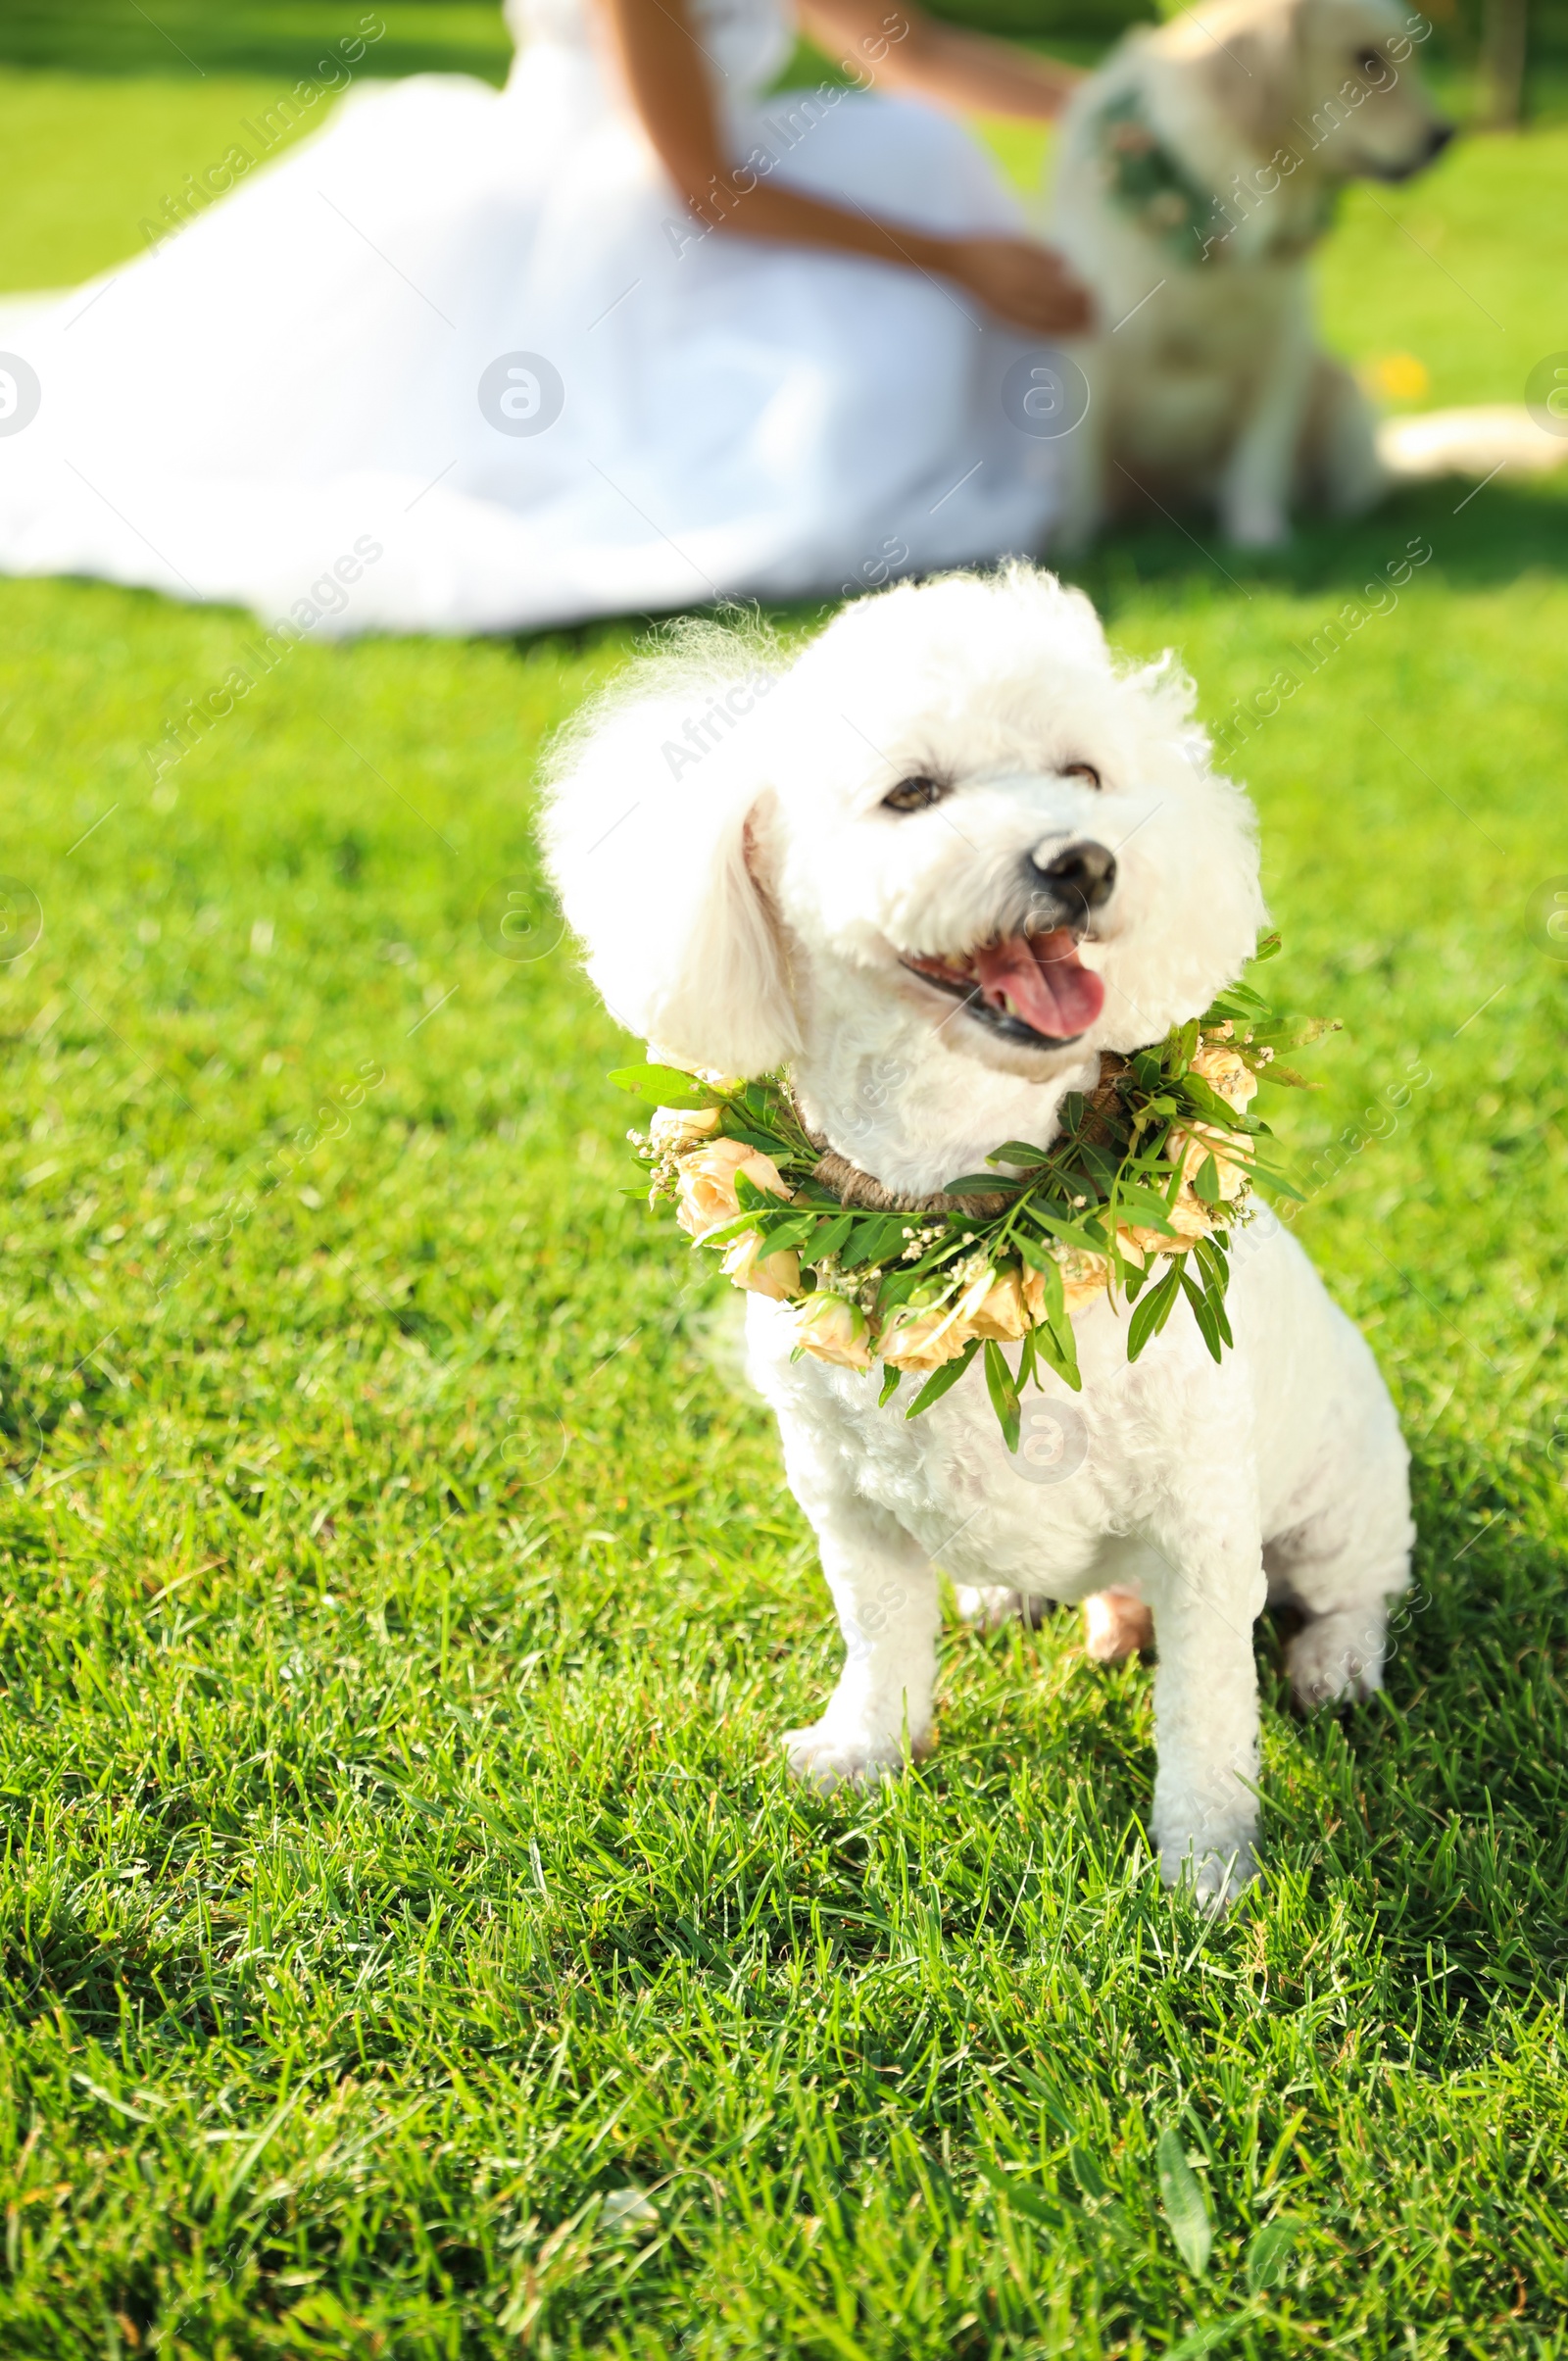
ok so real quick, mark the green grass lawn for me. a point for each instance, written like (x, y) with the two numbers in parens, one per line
(411, 1945)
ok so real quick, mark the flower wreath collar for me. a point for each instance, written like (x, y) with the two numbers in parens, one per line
(1133, 1201)
(1142, 178)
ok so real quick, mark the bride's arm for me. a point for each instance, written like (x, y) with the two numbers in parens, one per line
(663, 63)
(893, 42)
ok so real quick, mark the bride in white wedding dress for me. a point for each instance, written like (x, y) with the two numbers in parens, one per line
(625, 335)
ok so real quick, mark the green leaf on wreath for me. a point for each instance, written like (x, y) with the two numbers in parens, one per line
(1154, 1311)
(1004, 1394)
(941, 1380)
(666, 1086)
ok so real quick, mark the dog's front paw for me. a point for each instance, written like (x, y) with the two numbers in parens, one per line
(827, 1755)
(1337, 1657)
(1215, 1879)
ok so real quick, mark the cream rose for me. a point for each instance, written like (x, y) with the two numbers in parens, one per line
(1138, 1242)
(674, 1129)
(1188, 1147)
(832, 1329)
(708, 1184)
(1001, 1312)
(1137, 1245)
(1228, 1076)
(1083, 1278)
(1232, 1080)
(777, 1275)
(921, 1340)
(925, 1336)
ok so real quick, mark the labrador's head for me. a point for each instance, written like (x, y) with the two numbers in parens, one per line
(1337, 82)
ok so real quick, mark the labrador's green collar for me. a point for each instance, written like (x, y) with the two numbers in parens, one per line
(1146, 182)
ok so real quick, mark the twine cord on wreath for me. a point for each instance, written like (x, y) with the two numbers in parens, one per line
(853, 1186)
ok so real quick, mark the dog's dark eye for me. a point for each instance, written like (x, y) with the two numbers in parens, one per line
(913, 795)
(1370, 63)
(1081, 770)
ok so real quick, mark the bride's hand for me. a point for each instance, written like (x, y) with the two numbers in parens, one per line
(1029, 286)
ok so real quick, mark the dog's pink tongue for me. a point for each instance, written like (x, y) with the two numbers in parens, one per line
(1042, 979)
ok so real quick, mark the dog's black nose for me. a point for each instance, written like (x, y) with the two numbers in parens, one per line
(1438, 139)
(1081, 878)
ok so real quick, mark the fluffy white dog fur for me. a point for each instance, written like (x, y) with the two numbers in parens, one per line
(1206, 378)
(757, 905)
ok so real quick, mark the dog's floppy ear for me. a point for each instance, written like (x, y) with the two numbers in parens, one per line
(654, 799)
(1248, 57)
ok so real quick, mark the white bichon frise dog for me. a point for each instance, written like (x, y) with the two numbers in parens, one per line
(934, 864)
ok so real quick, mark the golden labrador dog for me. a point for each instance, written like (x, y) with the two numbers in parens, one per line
(1198, 169)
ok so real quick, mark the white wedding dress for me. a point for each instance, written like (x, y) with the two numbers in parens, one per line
(476, 334)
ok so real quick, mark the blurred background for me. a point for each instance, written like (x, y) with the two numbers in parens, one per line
(104, 111)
